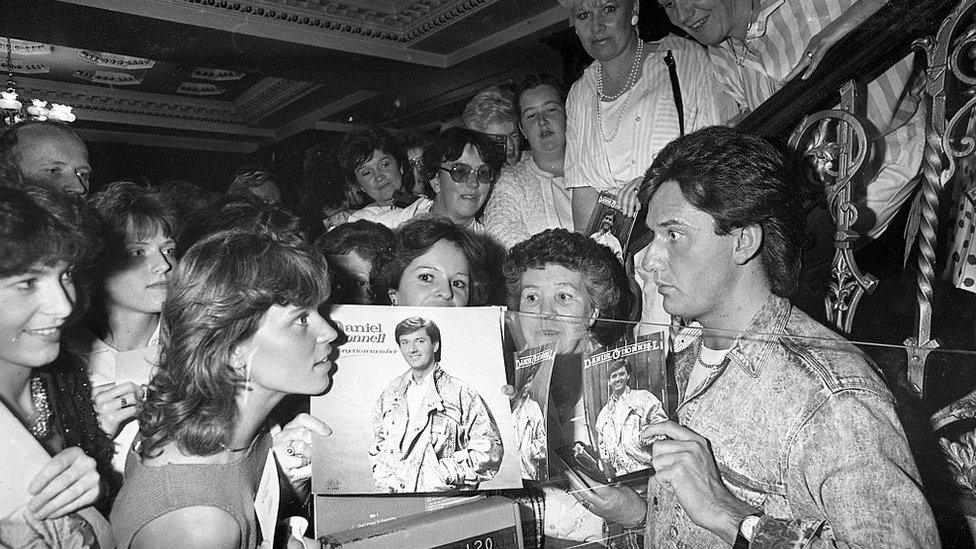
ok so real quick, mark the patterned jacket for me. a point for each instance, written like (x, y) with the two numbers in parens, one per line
(619, 424)
(802, 428)
(456, 448)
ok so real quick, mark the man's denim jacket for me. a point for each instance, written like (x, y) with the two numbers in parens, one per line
(804, 430)
(456, 448)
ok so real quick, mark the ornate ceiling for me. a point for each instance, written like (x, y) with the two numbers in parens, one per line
(243, 75)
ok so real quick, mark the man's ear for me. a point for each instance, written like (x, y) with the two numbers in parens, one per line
(748, 241)
(435, 184)
(593, 316)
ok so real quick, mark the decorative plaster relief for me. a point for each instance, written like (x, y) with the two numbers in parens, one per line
(196, 88)
(109, 78)
(215, 75)
(20, 67)
(417, 20)
(116, 61)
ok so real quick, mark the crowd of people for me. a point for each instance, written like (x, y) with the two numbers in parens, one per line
(149, 335)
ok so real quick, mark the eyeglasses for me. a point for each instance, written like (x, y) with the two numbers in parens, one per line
(461, 173)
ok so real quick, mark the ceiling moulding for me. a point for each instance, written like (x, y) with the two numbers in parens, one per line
(166, 141)
(269, 96)
(20, 67)
(335, 25)
(109, 78)
(24, 48)
(215, 75)
(310, 121)
(116, 61)
(144, 109)
(196, 88)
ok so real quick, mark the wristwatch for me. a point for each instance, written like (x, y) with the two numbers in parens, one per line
(746, 530)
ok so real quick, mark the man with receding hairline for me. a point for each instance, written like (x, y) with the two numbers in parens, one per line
(45, 153)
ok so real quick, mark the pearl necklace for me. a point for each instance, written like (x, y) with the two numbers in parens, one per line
(631, 78)
(40, 426)
(628, 86)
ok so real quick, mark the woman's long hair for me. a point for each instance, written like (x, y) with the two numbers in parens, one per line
(216, 300)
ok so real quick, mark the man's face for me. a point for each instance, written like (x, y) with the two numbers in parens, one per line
(618, 380)
(543, 118)
(54, 159)
(418, 349)
(707, 21)
(692, 266)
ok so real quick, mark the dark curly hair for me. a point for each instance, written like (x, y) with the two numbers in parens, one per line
(245, 212)
(416, 237)
(217, 298)
(449, 146)
(358, 146)
(606, 280)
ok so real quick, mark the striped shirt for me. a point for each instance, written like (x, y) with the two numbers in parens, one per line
(774, 45)
(650, 121)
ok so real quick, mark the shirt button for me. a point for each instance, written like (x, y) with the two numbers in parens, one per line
(638, 118)
(633, 161)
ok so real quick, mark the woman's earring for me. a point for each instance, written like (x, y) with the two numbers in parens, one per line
(633, 21)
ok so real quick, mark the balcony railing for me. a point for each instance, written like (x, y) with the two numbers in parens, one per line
(822, 121)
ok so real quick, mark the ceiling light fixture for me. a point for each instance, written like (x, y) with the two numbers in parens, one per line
(13, 111)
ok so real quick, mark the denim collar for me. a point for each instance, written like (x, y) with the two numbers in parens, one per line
(753, 347)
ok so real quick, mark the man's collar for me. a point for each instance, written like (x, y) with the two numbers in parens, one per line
(614, 397)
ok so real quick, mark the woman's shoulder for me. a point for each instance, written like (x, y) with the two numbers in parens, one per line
(181, 528)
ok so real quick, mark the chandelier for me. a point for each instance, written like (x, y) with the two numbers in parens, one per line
(13, 110)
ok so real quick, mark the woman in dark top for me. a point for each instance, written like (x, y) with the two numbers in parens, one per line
(45, 238)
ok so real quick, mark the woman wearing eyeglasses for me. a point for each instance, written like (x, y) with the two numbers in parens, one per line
(461, 167)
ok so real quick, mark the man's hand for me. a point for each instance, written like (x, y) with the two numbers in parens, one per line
(64, 485)
(618, 504)
(684, 464)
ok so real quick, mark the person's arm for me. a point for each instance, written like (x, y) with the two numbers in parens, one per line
(293, 448)
(821, 42)
(196, 527)
(383, 474)
(584, 199)
(503, 213)
(852, 478)
(481, 458)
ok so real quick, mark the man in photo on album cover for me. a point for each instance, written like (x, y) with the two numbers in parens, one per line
(431, 431)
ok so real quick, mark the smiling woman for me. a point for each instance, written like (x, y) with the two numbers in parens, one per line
(436, 263)
(45, 238)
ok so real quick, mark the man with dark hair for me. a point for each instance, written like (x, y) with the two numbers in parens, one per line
(620, 422)
(45, 153)
(531, 196)
(432, 432)
(787, 436)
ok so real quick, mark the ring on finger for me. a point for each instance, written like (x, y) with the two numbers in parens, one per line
(289, 449)
(124, 402)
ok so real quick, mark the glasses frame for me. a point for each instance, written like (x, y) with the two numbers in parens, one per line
(459, 177)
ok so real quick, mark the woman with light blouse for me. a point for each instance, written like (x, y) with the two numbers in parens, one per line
(623, 109)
